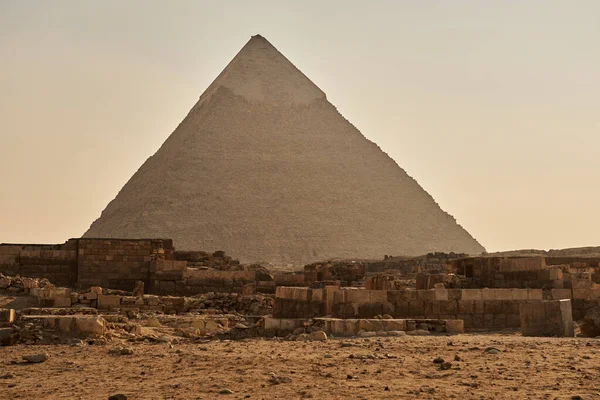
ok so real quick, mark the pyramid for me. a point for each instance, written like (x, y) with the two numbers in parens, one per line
(266, 169)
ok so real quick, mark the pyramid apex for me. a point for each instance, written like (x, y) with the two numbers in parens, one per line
(259, 72)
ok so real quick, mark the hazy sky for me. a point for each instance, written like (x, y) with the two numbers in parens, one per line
(492, 106)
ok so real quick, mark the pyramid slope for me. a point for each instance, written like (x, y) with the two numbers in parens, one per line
(265, 168)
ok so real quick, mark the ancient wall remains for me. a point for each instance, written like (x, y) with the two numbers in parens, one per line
(478, 308)
(57, 263)
(346, 272)
(409, 266)
(120, 263)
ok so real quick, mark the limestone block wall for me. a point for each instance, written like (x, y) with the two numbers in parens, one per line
(408, 266)
(299, 302)
(217, 259)
(119, 263)
(204, 281)
(582, 300)
(508, 272)
(346, 272)
(289, 279)
(478, 308)
(57, 263)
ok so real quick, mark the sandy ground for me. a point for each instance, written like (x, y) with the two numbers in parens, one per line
(374, 368)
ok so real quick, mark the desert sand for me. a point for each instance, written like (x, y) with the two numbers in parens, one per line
(358, 368)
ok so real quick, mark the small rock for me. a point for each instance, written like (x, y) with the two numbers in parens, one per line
(124, 351)
(239, 325)
(438, 360)
(36, 358)
(9, 375)
(492, 350)
(457, 358)
(119, 396)
(445, 365)
(318, 335)
(225, 391)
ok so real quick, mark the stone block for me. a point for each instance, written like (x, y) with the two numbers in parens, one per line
(513, 321)
(401, 310)
(535, 294)
(455, 326)
(407, 295)
(466, 307)
(560, 294)
(547, 318)
(441, 294)
(502, 294)
(488, 321)
(492, 307)
(350, 327)
(394, 324)
(471, 294)
(272, 324)
(7, 316)
(586, 294)
(416, 308)
(106, 301)
(317, 295)
(478, 321)
(479, 306)
(431, 309)
(468, 320)
(519, 294)
(448, 307)
(427, 295)
(454, 294)
(62, 302)
(487, 294)
(90, 296)
(377, 296)
(358, 296)
(510, 307)
(499, 321)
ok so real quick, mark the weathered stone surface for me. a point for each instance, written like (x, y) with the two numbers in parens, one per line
(7, 316)
(281, 111)
(591, 323)
(73, 325)
(106, 302)
(318, 335)
(8, 336)
(36, 358)
(547, 318)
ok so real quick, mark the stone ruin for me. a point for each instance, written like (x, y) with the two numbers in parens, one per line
(123, 286)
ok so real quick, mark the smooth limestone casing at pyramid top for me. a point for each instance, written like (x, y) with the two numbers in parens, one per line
(266, 169)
